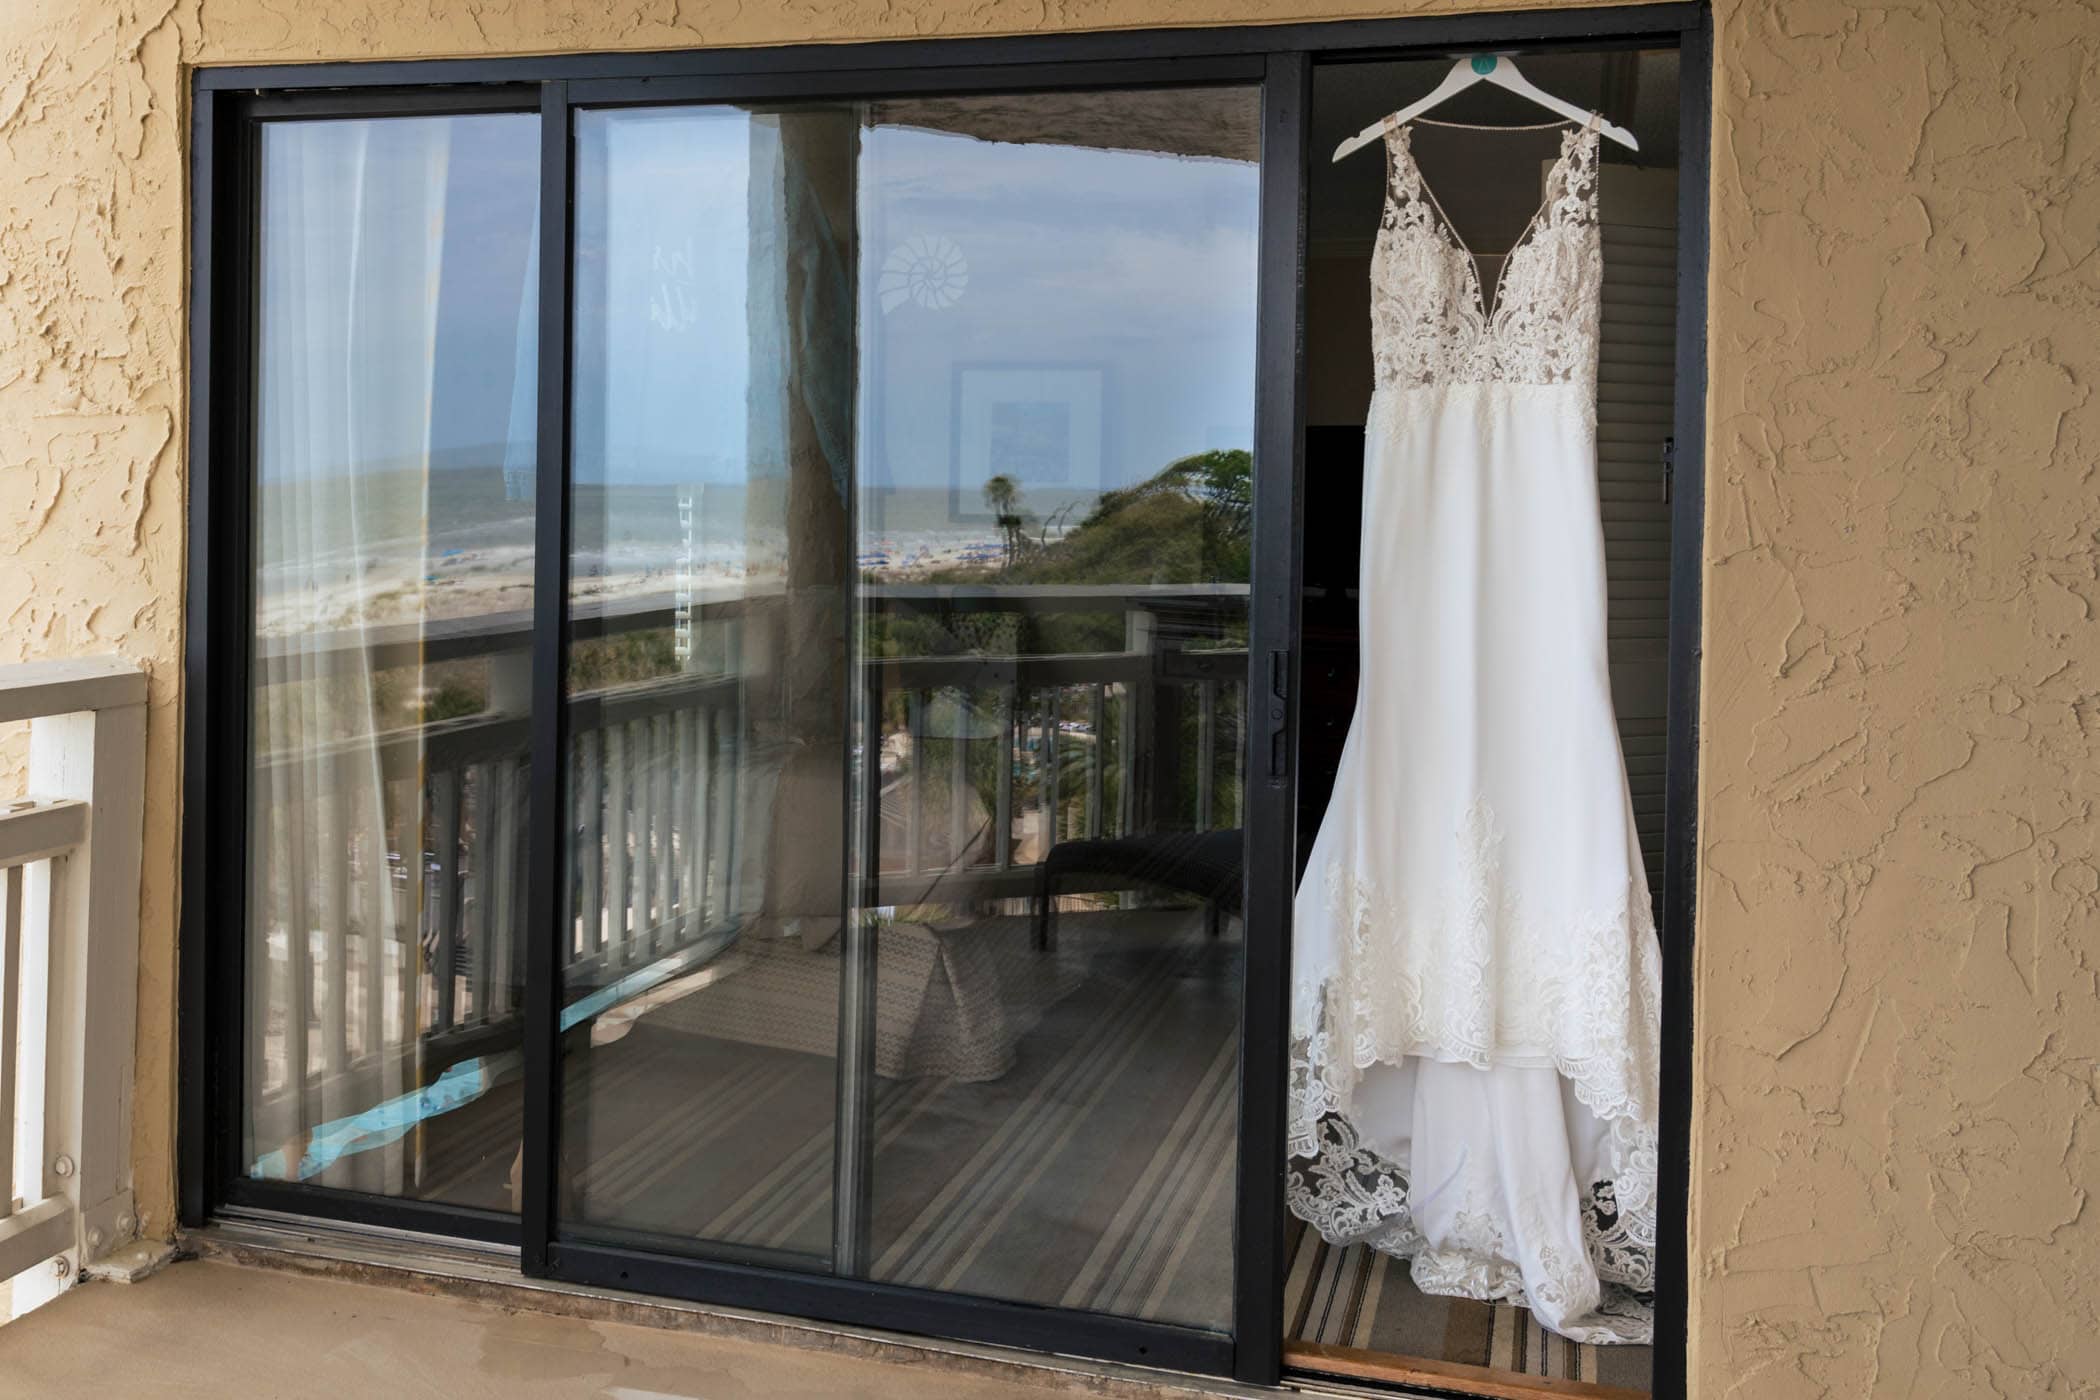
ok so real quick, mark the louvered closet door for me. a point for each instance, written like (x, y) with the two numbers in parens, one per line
(1636, 387)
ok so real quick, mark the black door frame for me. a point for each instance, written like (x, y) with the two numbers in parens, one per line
(227, 104)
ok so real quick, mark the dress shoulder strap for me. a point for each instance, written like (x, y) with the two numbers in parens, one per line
(1403, 179)
(1571, 189)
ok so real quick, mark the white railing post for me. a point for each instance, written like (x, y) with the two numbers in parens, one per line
(73, 1021)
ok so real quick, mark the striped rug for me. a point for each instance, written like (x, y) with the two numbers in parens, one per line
(1357, 1297)
(1094, 1173)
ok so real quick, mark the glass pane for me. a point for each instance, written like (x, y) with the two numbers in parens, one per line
(1057, 370)
(393, 588)
(707, 682)
(912, 449)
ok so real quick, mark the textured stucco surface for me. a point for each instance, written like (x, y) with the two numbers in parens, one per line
(1899, 939)
(1900, 1039)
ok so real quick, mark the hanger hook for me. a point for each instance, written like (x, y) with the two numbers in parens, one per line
(1484, 63)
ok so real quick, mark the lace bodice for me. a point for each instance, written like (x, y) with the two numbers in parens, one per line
(1431, 321)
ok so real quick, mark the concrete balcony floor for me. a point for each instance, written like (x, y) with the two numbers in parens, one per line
(210, 1327)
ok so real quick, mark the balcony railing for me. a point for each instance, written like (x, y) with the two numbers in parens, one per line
(1064, 746)
(69, 910)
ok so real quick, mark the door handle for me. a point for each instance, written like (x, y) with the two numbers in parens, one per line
(1279, 720)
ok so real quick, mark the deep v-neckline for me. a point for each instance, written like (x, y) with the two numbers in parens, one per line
(1555, 179)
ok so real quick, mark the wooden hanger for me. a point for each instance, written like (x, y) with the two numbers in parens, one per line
(1483, 68)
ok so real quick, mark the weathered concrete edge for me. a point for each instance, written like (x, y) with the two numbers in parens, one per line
(133, 1264)
(463, 1275)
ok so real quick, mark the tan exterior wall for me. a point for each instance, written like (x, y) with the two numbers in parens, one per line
(1899, 943)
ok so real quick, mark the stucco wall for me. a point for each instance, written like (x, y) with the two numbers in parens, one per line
(1899, 943)
(1899, 1016)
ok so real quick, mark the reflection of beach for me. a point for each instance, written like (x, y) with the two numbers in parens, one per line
(464, 583)
(373, 589)
(382, 587)
(918, 555)
(392, 547)
(911, 555)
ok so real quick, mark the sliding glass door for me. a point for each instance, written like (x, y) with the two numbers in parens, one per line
(707, 681)
(911, 513)
(744, 778)
(742, 683)
(392, 547)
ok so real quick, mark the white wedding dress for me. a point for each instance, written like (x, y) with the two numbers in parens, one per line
(1475, 998)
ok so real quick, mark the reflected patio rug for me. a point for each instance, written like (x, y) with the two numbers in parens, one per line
(1096, 1171)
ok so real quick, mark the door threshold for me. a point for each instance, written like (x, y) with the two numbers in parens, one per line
(401, 1259)
(1417, 1373)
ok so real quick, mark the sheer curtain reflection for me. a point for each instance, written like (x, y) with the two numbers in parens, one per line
(392, 488)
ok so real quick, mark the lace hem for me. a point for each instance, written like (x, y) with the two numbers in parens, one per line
(1321, 1088)
(1479, 979)
(1351, 1195)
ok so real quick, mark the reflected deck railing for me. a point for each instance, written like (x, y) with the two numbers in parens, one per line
(1094, 746)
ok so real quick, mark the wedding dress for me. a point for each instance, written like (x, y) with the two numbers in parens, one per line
(1475, 998)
